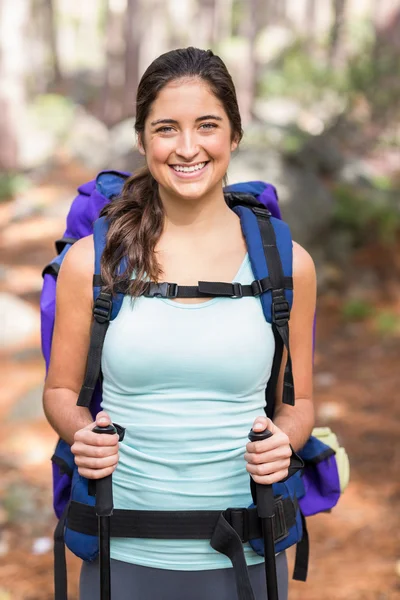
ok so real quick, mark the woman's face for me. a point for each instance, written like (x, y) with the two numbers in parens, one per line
(187, 140)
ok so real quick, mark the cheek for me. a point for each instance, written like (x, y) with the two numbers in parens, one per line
(159, 151)
(220, 148)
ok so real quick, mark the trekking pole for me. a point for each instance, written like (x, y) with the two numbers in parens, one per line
(265, 510)
(104, 510)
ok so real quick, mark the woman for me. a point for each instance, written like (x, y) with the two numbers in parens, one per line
(173, 372)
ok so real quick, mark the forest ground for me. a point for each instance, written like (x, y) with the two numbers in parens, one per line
(354, 550)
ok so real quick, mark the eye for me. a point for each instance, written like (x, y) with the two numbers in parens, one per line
(209, 125)
(165, 129)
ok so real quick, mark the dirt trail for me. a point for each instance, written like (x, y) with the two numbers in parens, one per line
(354, 550)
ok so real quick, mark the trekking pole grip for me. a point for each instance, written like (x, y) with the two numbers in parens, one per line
(265, 496)
(104, 496)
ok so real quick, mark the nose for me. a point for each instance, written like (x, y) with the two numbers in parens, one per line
(187, 147)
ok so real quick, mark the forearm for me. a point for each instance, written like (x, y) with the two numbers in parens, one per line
(296, 421)
(62, 413)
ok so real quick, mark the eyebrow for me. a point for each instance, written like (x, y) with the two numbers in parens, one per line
(174, 122)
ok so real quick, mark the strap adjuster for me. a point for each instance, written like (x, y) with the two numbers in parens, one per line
(102, 307)
(280, 308)
(280, 527)
(238, 518)
(256, 287)
(237, 290)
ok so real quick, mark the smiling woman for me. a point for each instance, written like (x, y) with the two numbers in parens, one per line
(186, 377)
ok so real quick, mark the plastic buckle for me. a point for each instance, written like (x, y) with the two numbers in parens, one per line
(161, 290)
(280, 528)
(102, 308)
(237, 290)
(280, 311)
(238, 518)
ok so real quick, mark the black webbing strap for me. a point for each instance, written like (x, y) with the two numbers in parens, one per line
(101, 320)
(51, 269)
(204, 289)
(61, 243)
(227, 541)
(280, 306)
(60, 562)
(302, 555)
(226, 530)
(182, 525)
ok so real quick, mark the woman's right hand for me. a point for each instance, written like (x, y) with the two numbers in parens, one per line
(96, 455)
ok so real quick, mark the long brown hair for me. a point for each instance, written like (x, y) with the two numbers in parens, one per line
(136, 217)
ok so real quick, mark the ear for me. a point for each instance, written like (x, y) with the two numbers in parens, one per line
(140, 145)
(234, 144)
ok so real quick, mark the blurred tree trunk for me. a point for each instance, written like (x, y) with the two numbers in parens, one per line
(309, 24)
(336, 44)
(249, 67)
(13, 22)
(223, 19)
(132, 55)
(114, 75)
(50, 32)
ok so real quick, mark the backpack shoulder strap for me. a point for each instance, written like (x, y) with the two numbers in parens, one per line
(105, 309)
(270, 248)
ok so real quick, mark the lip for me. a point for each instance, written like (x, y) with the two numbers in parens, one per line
(192, 175)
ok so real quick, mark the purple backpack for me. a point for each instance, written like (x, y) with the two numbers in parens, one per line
(318, 487)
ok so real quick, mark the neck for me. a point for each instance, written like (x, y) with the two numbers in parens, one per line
(185, 217)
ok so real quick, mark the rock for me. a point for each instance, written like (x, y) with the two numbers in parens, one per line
(28, 407)
(306, 204)
(329, 411)
(320, 153)
(42, 545)
(123, 150)
(88, 141)
(325, 379)
(20, 320)
(46, 121)
(278, 111)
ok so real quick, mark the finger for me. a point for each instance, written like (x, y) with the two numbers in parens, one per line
(270, 479)
(81, 449)
(102, 419)
(256, 458)
(262, 423)
(96, 473)
(87, 436)
(267, 468)
(88, 462)
(275, 441)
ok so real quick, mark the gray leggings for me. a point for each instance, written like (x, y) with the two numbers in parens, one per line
(133, 582)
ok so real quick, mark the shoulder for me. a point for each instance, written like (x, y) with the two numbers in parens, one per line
(77, 268)
(303, 264)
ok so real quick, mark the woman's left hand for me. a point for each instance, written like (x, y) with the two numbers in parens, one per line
(268, 460)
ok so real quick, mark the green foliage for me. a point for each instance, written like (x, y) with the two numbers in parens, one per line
(387, 322)
(12, 184)
(299, 75)
(357, 310)
(53, 112)
(368, 212)
(371, 72)
(384, 321)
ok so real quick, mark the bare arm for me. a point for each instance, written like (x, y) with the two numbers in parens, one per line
(297, 421)
(268, 460)
(70, 342)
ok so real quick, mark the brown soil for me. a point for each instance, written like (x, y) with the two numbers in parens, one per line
(354, 550)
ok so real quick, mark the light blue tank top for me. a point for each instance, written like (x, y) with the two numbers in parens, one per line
(187, 382)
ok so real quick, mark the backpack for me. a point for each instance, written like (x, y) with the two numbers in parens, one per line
(306, 491)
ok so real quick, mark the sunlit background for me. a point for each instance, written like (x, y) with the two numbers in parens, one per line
(319, 90)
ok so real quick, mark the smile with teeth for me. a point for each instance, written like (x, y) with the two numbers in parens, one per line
(192, 169)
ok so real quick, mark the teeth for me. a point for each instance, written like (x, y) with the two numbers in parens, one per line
(189, 169)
